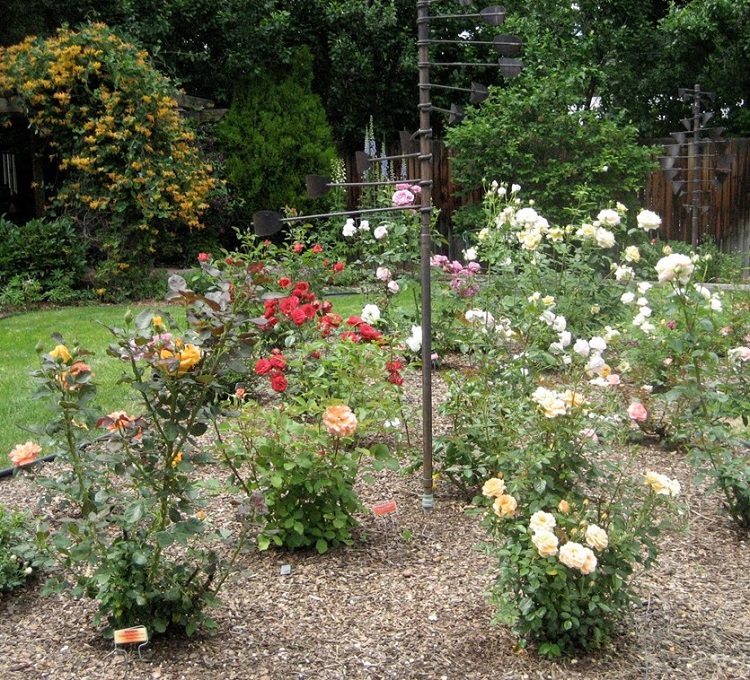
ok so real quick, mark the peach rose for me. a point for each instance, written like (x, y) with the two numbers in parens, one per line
(505, 505)
(545, 543)
(23, 454)
(493, 487)
(564, 507)
(340, 420)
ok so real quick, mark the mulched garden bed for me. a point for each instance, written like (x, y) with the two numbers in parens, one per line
(408, 602)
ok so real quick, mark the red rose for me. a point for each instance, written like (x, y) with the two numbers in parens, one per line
(298, 247)
(266, 243)
(285, 282)
(369, 333)
(395, 378)
(301, 287)
(262, 366)
(317, 248)
(338, 267)
(298, 316)
(392, 366)
(229, 260)
(278, 361)
(278, 382)
(271, 321)
(204, 257)
(326, 306)
(315, 354)
(309, 310)
(354, 320)
(288, 304)
(348, 335)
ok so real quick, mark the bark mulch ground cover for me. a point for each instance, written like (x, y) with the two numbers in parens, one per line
(408, 602)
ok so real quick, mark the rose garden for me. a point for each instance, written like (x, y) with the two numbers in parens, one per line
(592, 392)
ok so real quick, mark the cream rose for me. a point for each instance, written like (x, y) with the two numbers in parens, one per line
(545, 543)
(576, 556)
(493, 487)
(596, 537)
(542, 521)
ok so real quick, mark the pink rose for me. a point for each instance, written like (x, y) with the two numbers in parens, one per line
(403, 197)
(637, 412)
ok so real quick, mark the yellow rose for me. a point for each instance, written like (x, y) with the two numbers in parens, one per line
(188, 357)
(61, 353)
(493, 487)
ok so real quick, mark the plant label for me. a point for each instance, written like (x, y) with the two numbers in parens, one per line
(385, 508)
(129, 636)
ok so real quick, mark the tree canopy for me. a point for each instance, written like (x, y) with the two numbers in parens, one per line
(627, 55)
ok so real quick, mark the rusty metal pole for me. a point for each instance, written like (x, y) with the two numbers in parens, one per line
(694, 180)
(425, 242)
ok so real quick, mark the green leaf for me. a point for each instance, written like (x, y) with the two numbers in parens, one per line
(321, 546)
(140, 558)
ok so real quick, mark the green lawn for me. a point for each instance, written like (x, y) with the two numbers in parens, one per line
(19, 335)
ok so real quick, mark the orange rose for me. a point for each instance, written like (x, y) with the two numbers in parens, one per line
(23, 454)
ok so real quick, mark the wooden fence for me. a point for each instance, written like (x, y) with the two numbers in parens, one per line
(727, 220)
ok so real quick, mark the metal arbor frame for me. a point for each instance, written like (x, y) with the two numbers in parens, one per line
(266, 222)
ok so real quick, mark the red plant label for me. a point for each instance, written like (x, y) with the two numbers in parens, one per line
(385, 508)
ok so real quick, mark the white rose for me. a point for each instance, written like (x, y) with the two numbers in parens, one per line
(604, 237)
(380, 232)
(609, 217)
(576, 556)
(370, 314)
(675, 267)
(541, 520)
(349, 228)
(648, 220)
(581, 347)
(383, 274)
